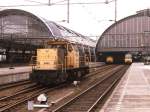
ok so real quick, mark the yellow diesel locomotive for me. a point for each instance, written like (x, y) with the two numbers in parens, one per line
(61, 60)
(109, 60)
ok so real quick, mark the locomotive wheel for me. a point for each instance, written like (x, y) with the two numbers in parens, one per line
(62, 77)
(83, 73)
(65, 76)
(87, 71)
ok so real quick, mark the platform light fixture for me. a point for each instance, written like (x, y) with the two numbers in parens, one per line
(62, 20)
(49, 2)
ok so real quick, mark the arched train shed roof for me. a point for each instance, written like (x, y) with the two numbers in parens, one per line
(24, 27)
(129, 34)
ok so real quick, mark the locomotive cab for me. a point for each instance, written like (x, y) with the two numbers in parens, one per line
(57, 56)
(50, 59)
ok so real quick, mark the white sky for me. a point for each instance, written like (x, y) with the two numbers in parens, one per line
(85, 19)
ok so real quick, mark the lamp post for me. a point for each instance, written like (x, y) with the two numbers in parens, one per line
(49, 2)
(115, 10)
(68, 11)
(107, 2)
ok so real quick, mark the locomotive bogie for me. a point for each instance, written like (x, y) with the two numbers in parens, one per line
(48, 77)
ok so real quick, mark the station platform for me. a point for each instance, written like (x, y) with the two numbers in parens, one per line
(132, 94)
(14, 74)
(14, 70)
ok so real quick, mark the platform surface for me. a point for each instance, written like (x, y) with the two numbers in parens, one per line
(5, 71)
(132, 94)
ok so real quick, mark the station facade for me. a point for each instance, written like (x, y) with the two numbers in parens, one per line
(128, 35)
(22, 32)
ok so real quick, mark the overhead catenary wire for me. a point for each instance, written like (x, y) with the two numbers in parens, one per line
(33, 1)
(90, 13)
(86, 3)
(56, 3)
(62, 2)
(59, 2)
(2, 6)
(49, 2)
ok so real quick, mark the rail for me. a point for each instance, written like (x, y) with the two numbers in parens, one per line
(95, 105)
(85, 100)
(13, 84)
(27, 95)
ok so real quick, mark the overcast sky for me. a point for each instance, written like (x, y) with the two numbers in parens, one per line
(87, 19)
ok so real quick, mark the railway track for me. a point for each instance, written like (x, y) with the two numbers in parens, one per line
(30, 92)
(100, 70)
(25, 82)
(87, 100)
(6, 103)
(14, 84)
(13, 99)
(9, 90)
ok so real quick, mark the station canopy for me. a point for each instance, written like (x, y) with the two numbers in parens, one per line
(130, 34)
(24, 30)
